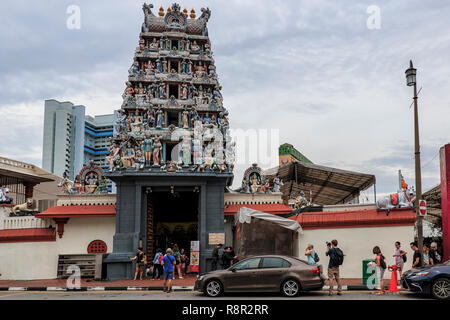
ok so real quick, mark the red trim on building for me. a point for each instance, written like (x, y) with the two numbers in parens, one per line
(273, 208)
(79, 211)
(355, 219)
(28, 235)
(7, 205)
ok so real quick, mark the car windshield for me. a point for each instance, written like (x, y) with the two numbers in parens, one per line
(251, 263)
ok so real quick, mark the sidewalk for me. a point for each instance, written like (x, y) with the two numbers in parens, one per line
(186, 284)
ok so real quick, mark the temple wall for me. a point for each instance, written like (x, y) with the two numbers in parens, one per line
(28, 260)
(79, 232)
(357, 244)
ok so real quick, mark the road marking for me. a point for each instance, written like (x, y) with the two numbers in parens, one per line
(13, 294)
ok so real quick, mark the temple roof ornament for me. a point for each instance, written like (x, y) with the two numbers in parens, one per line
(192, 14)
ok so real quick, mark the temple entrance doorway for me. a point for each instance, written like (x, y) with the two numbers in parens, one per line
(172, 218)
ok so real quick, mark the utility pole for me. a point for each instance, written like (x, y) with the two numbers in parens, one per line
(411, 81)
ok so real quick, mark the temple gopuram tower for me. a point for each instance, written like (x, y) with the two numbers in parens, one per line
(171, 157)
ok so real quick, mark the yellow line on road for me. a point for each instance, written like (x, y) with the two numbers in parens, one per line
(13, 294)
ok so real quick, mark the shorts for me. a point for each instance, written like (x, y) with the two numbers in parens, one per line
(141, 264)
(380, 272)
(400, 264)
(168, 275)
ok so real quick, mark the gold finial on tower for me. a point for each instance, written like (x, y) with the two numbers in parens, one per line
(161, 11)
(192, 14)
(185, 12)
(168, 9)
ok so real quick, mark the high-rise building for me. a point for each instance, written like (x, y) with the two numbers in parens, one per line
(72, 139)
(63, 137)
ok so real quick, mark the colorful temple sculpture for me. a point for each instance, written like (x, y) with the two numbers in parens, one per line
(171, 156)
(90, 180)
(172, 118)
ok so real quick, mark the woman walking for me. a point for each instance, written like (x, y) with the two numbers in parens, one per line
(380, 267)
(157, 266)
(177, 255)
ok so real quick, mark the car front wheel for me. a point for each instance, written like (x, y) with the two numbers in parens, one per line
(441, 289)
(290, 288)
(213, 288)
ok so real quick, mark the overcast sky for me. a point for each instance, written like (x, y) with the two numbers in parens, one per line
(333, 87)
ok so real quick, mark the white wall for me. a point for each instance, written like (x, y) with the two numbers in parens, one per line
(39, 260)
(79, 232)
(357, 244)
(28, 260)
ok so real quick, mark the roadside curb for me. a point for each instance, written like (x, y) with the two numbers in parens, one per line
(174, 288)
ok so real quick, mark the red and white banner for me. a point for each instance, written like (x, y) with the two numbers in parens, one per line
(195, 256)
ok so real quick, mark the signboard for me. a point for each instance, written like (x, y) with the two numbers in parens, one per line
(422, 208)
(216, 238)
(195, 256)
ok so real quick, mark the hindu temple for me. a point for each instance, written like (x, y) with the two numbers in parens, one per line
(171, 156)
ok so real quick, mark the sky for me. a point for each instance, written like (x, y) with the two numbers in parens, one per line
(326, 76)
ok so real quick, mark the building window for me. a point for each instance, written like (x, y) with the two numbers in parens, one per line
(97, 246)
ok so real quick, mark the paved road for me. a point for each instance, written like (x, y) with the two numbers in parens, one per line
(157, 295)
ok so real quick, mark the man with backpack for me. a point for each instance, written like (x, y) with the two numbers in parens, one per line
(157, 265)
(336, 259)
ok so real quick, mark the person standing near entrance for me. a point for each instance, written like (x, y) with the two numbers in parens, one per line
(157, 265)
(435, 258)
(177, 255)
(215, 257)
(380, 267)
(400, 259)
(417, 259)
(336, 259)
(184, 260)
(168, 263)
(140, 262)
(311, 254)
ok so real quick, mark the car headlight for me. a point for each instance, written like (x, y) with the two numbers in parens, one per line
(421, 274)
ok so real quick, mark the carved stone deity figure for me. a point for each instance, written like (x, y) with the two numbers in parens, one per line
(200, 70)
(156, 151)
(154, 44)
(148, 142)
(140, 89)
(186, 151)
(129, 90)
(188, 44)
(184, 91)
(167, 47)
(149, 68)
(140, 160)
(208, 156)
(162, 91)
(141, 44)
(150, 119)
(129, 157)
(185, 118)
(197, 152)
(195, 47)
(134, 69)
(159, 65)
(161, 43)
(244, 186)
(254, 184)
(189, 67)
(184, 66)
(194, 116)
(277, 184)
(159, 118)
(182, 44)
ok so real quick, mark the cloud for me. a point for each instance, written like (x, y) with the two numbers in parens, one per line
(312, 69)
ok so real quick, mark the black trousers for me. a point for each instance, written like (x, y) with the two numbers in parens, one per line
(157, 271)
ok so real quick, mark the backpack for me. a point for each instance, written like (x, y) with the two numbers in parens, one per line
(339, 256)
(160, 258)
(316, 257)
(404, 258)
(382, 262)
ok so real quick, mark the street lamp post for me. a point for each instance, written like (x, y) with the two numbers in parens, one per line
(411, 81)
